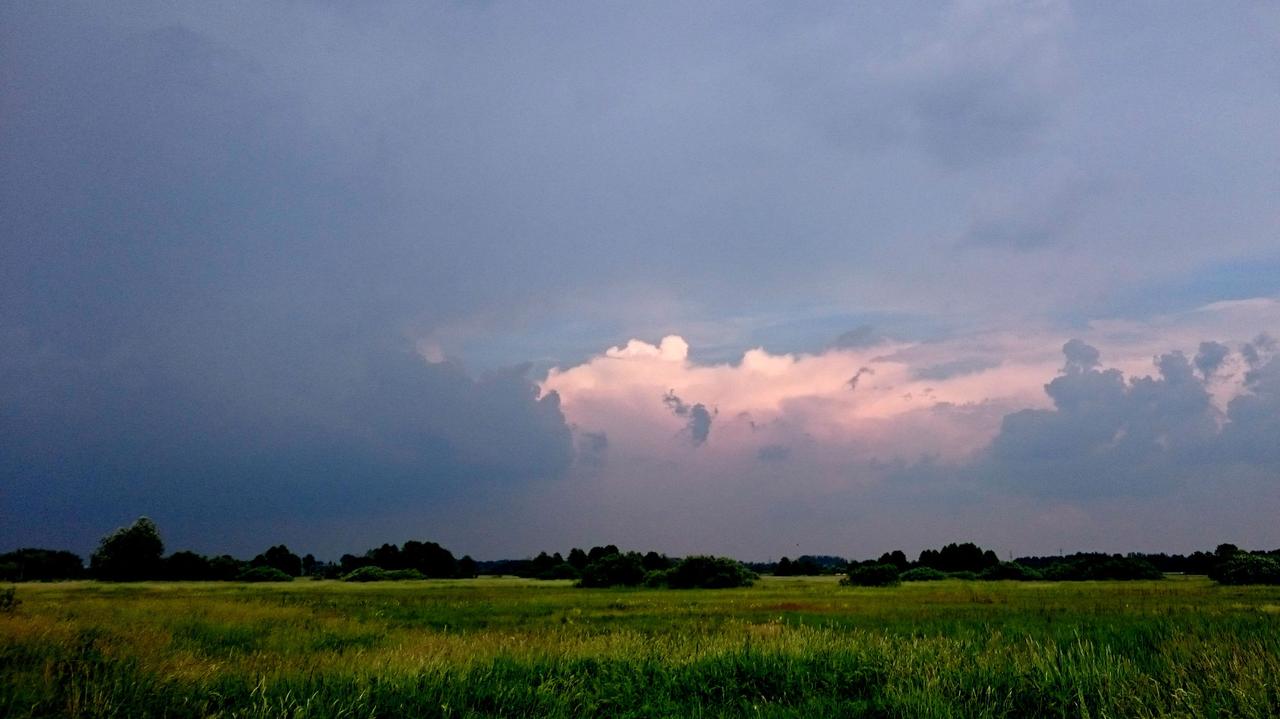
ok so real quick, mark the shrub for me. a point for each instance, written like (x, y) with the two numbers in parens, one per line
(378, 574)
(965, 575)
(614, 570)
(1247, 569)
(1009, 571)
(9, 600)
(871, 575)
(263, 574)
(366, 574)
(703, 572)
(922, 574)
(657, 578)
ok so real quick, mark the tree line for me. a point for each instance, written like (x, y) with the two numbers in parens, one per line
(136, 553)
(1227, 564)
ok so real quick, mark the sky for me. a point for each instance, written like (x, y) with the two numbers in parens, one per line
(755, 279)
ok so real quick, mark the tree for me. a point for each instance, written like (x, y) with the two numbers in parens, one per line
(871, 575)
(225, 567)
(967, 557)
(600, 552)
(389, 556)
(707, 573)
(279, 557)
(129, 553)
(1009, 571)
(578, 559)
(897, 558)
(1245, 568)
(614, 570)
(429, 558)
(1225, 552)
(32, 564)
(187, 566)
(654, 562)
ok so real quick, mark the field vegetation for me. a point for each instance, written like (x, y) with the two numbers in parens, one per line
(794, 647)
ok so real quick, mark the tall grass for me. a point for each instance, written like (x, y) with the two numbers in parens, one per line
(787, 647)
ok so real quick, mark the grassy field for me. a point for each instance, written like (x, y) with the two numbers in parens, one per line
(507, 647)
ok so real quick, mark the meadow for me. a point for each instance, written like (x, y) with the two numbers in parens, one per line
(501, 647)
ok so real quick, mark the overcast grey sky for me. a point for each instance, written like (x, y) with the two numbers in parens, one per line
(337, 274)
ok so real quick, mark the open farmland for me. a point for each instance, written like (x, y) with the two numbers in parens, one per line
(508, 647)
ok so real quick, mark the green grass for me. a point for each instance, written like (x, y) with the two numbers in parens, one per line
(794, 647)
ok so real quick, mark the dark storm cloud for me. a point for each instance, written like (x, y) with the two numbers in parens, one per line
(1080, 356)
(223, 226)
(105, 443)
(956, 368)
(857, 377)
(1210, 356)
(207, 291)
(1108, 435)
(1254, 352)
(699, 417)
(859, 337)
(1030, 218)
(1252, 433)
(773, 453)
(592, 448)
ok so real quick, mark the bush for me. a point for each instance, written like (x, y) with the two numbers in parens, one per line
(656, 579)
(965, 575)
(1009, 571)
(366, 574)
(9, 600)
(614, 570)
(703, 572)
(1247, 569)
(378, 574)
(871, 575)
(263, 574)
(922, 574)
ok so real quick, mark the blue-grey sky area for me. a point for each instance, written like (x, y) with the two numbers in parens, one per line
(337, 275)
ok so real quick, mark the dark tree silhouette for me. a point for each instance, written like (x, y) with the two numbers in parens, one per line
(614, 570)
(129, 553)
(28, 565)
(187, 567)
(279, 557)
(429, 558)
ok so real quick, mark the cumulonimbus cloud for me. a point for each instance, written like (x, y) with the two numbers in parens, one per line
(999, 404)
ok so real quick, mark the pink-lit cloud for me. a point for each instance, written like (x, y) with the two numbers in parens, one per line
(856, 440)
